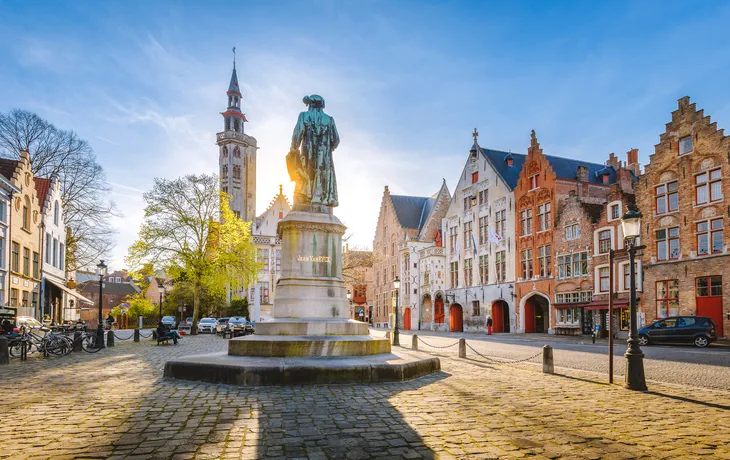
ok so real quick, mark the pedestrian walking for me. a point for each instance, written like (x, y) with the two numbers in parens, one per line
(489, 325)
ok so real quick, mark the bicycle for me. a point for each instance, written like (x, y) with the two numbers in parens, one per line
(89, 342)
(55, 344)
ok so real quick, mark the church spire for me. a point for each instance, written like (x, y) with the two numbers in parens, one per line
(233, 118)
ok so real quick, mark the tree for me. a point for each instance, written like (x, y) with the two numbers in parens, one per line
(182, 232)
(59, 153)
(239, 307)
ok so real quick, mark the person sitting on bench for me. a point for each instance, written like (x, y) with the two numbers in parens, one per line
(162, 333)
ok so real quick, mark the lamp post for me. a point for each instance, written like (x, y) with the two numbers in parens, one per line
(161, 290)
(396, 333)
(101, 271)
(635, 380)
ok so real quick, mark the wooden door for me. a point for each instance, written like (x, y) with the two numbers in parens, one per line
(456, 318)
(407, 320)
(709, 300)
(497, 317)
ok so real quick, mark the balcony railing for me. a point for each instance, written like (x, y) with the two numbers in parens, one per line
(432, 251)
(237, 136)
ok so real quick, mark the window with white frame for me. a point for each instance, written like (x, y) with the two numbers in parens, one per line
(500, 265)
(544, 261)
(543, 216)
(603, 278)
(574, 297)
(483, 235)
(534, 181)
(468, 273)
(572, 231)
(615, 211)
(454, 274)
(526, 263)
(708, 186)
(484, 269)
(568, 316)
(500, 222)
(526, 222)
(667, 243)
(685, 145)
(604, 241)
(667, 197)
(709, 237)
(573, 265)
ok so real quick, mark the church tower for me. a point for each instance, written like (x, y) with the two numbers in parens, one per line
(237, 155)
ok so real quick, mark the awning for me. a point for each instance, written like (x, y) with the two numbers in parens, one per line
(603, 305)
(70, 291)
(570, 305)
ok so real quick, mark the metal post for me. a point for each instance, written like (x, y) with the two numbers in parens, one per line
(548, 366)
(77, 341)
(136, 335)
(4, 352)
(100, 328)
(414, 342)
(611, 255)
(160, 318)
(462, 348)
(396, 333)
(635, 379)
(110, 338)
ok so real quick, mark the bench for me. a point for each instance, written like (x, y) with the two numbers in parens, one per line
(160, 340)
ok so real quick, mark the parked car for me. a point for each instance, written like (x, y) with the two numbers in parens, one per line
(222, 325)
(697, 330)
(207, 325)
(237, 321)
(168, 322)
(186, 322)
(28, 321)
(250, 327)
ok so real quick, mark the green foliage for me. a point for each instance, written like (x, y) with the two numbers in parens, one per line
(189, 229)
(239, 307)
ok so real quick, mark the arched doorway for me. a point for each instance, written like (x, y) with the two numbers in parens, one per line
(500, 316)
(407, 319)
(438, 310)
(536, 314)
(456, 318)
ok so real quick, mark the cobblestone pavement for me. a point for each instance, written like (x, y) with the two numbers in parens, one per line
(686, 365)
(114, 404)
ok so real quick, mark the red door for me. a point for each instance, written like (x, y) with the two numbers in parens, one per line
(407, 320)
(456, 318)
(709, 300)
(498, 317)
(438, 313)
(530, 315)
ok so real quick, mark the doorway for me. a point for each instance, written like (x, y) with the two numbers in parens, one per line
(709, 300)
(456, 318)
(500, 316)
(407, 319)
(536, 314)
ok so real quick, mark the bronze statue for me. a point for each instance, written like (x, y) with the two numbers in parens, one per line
(309, 160)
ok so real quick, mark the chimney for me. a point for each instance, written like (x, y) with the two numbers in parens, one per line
(632, 161)
(582, 173)
(613, 161)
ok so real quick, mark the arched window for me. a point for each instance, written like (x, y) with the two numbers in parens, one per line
(56, 214)
(26, 213)
(237, 152)
(224, 172)
(224, 151)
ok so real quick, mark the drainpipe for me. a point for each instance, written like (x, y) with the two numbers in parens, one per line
(42, 295)
(10, 240)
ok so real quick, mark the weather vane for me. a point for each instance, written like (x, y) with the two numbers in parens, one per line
(234, 57)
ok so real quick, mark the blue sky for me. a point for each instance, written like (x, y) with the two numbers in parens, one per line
(144, 83)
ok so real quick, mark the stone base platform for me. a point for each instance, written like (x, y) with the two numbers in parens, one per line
(314, 346)
(311, 326)
(397, 366)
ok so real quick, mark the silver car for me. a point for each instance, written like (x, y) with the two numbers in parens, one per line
(207, 325)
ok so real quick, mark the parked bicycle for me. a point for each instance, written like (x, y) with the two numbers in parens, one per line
(50, 344)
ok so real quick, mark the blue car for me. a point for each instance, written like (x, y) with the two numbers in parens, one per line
(697, 330)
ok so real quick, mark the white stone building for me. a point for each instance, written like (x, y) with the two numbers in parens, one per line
(7, 189)
(268, 252)
(479, 243)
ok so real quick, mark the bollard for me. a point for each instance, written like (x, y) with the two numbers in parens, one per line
(414, 342)
(547, 360)
(4, 352)
(136, 335)
(23, 351)
(110, 338)
(77, 340)
(462, 348)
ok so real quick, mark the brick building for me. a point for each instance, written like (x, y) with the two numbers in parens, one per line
(113, 294)
(544, 183)
(685, 224)
(403, 219)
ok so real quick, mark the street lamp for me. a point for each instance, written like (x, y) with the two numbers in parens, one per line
(635, 380)
(161, 290)
(101, 271)
(396, 286)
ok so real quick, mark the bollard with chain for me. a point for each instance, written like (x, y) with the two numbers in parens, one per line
(136, 335)
(414, 342)
(4, 352)
(462, 348)
(110, 338)
(77, 340)
(547, 360)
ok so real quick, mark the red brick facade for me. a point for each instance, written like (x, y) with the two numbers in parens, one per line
(685, 223)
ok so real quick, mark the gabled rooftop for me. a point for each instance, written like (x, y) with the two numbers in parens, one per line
(412, 211)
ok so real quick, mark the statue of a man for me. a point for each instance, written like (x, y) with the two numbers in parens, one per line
(309, 160)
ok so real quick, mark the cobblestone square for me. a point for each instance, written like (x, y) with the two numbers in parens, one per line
(115, 404)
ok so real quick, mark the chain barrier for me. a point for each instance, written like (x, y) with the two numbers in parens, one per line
(145, 336)
(120, 338)
(502, 361)
(434, 346)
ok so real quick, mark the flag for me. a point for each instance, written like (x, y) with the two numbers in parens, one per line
(473, 244)
(494, 236)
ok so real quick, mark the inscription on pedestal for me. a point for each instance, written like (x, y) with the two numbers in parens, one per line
(319, 259)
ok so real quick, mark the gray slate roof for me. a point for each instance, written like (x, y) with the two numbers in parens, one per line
(564, 168)
(412, 211)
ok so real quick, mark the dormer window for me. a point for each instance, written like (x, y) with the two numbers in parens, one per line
(685, 145)
(475, 177)
(510, 161)
(604, 178)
